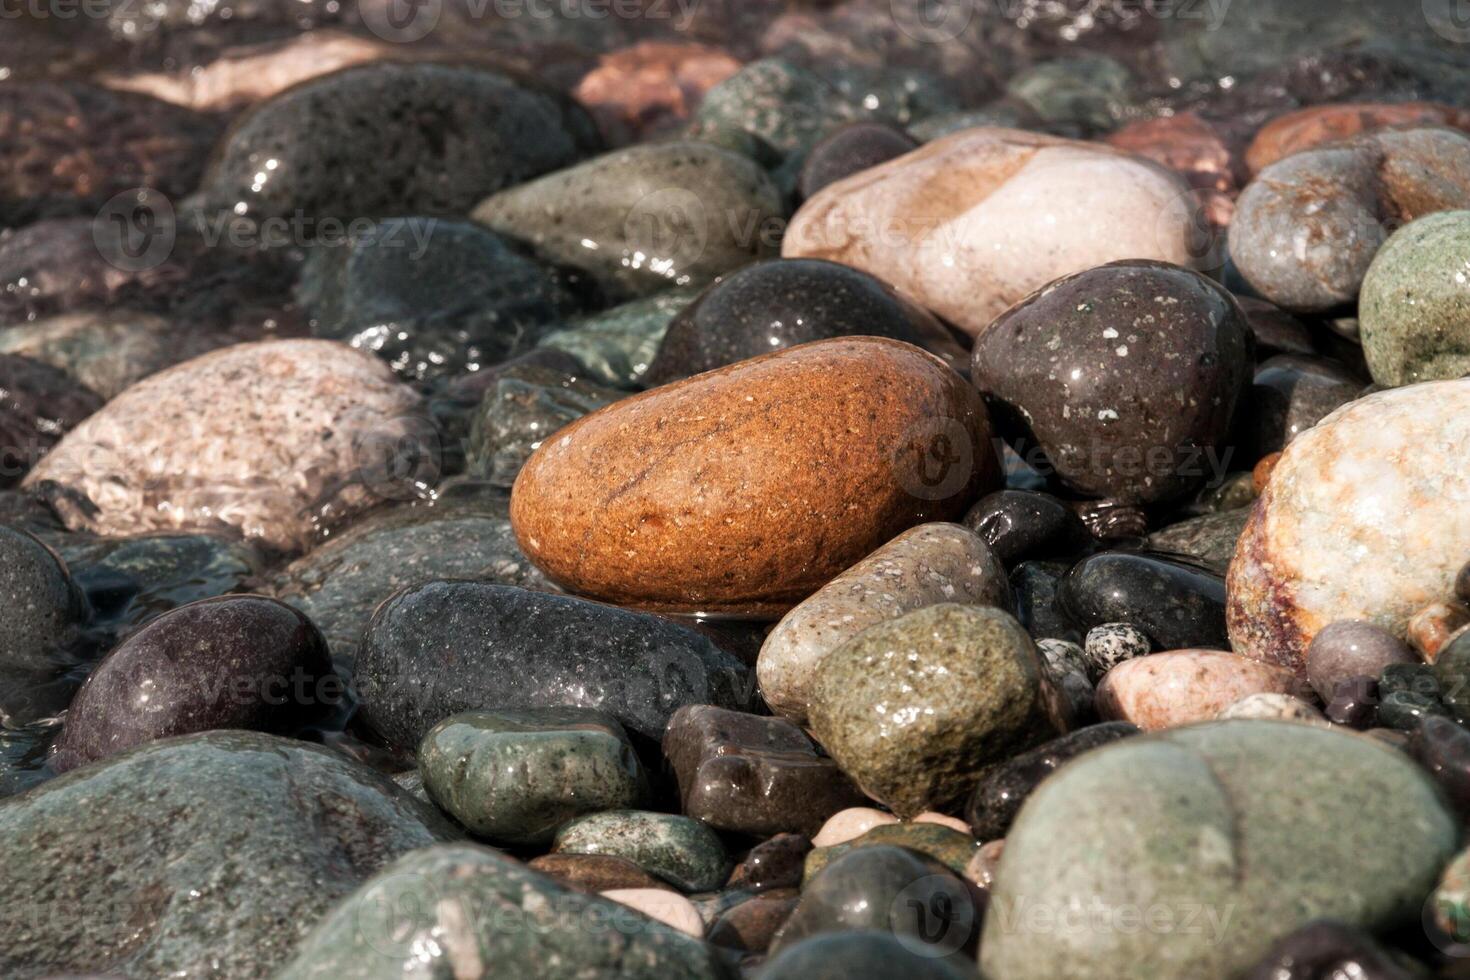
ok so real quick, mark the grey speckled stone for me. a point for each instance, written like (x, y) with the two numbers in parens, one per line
(1091, 92)
(340, 583)
(659, 215)
(1414, 312)
(916, 708)
(924, 565)
(437, 649)
(682, 851)
(1253, 827)
(618, 345)
(44, 610)
(1109, 644)
(520, 412)
(1208, 539)
(515, 776)
(1291, 393)
(465, 911)
(786, 107)
(208, 855)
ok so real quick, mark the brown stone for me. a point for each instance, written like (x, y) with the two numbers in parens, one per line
(1431, 628)
(1181, 687)
(776, 863)
(650, 87)
(752, 924)
(1261, 474)
(595, 873)
(1192, 148)
(1313, 126)
(743, 490)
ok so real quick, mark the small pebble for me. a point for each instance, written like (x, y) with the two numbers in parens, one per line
(670, 908)
(1273, 707)
(1110, 644)
(1181, 687)
(1349, 649)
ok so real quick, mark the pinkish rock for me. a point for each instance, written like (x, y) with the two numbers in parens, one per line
(650, 87)
(1181, 687)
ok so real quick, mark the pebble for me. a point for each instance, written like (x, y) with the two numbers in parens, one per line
(923, 566)
(131, 580)
(596, 873)
(1332, 199)
(850, 824)
(1176, 603)
(38, 405)
(1037, 606)
(1110, 644)
(44, 618)
(1087, 92)
(1273, 707)
(974, 221)
(750, 774)
(659, 215)
(752, 924)
(1193, 147)
(1327, 949)
(618, 345)
(998, 797)
(783, 106)
(342, 151)
(1181, 687)
(1292, 393)
(267, 441)
(852, 149)
(774, 305)
(236, 843)
(1021, 524)
(859, 952)
(776, 863)
(1352, 485)
(1451, 670)
(514, 777)
(1414, 311)
(648, 88)
(1207, 540)
(683, 852)
(1430, 628)
(707, 495)
(1276, 331)
(952, 848)
(916, 708)
(521, 411)
(437, 649)
(242, 662)
(1126, 376)
(661, 905)
(1309, 128)
(1442, 747)
(479, 911)
(1280, 823)
(431, 297)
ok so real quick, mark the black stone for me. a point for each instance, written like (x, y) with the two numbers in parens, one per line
(1452, 672)
(852, 148)
(774, 863)
(1404, 711)
(998, 796)
(1021, 524)
(773, 305)
(437, 649)
(1035, 585)
(1324, 950)
(524, 409)
(244, 662)
(42, 635)
(1354, 703)
(1178, 604)
(1443, 747)
(38, 405)
(1291, 394)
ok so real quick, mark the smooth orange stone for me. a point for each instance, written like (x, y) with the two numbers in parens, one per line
(742, 490)
(1261, 474)
(638, 90)
(1306, 128)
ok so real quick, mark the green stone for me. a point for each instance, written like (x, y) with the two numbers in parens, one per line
(945, 844)
(917, 708)
(683, 852)
(618, 345)
(514, 777)
(786, 107)
(1189, 852)
(465, 911)
(1414, 309)
(1091, 92)
(1209, 539)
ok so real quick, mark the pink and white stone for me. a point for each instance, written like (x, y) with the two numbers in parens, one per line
(1182, 687)
(1366, 516)
(972, 222)
(670, 908)
(850, 824)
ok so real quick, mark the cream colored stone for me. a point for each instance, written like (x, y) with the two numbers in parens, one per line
(1273, 707)
(972, 222)
(953, 823)
(982, 867)
(1181, 687)
(670, 908)
(923, 566)
(849, 824)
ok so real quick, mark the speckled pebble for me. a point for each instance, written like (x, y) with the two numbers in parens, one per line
(1110, 644)
(1273, 707)
(682, 851)
(1181, 687)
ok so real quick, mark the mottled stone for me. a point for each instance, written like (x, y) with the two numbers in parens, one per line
(1190, 145)
(474, 911)
(1181, 687)
(997, 798)
(871, 887)
(1273, 707)
(516, 776)
(950, 847)
(1292, 393)
(437, 649)
(658, 215)
(342, 150)
(773, 305)
(265, 440)
(1020, 524)
(340, 583)
(208, 854)
(861, 952)
(683, 852)
(1037, 606)
(1306, 229)
(1327, 949)
(522, 411)
(649, 87)
(1429, 629)
(972, 222)
(431, 297)
(785, 107)
(39, 404)
(752, 924)
(1414, 312)
(929, 564)
(1316, 125)
(851, 149)
(1368, 481)
(961, 688)
(618, 345)
(1177, 603)
(595, 873)
(745, 489)
(45, 614)
(1110, 644)
(1126, 376)
(245, 662)
(1451, 671)
(752, 774)
(1089, 92)
(1278, 823)
(1208, 539)
(1442, 747)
